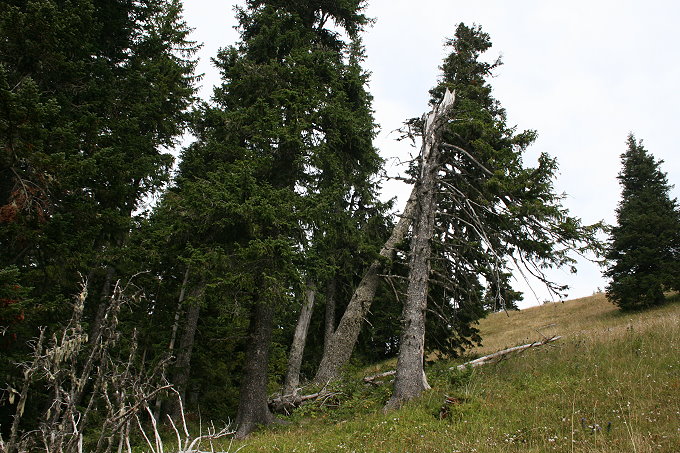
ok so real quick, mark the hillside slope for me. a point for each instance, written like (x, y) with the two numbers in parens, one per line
(612, 384)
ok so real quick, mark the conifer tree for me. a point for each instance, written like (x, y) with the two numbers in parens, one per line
(92, 95)
(284, 153)
(479, 208)
(644, 249)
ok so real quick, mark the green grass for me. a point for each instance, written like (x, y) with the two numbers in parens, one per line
(612, 384)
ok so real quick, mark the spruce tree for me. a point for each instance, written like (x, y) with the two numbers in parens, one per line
(644, 249)
(92, 95)
(281, 173)
(479, 208)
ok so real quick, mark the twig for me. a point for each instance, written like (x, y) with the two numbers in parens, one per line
(28, 379)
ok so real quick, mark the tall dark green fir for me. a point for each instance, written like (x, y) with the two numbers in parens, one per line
(283, 153)
(644, 249)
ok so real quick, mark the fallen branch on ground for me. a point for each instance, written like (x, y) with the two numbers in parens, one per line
(497, 355)
(372, 379)
(286, 403)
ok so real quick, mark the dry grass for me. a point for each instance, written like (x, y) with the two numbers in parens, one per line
(593, 315)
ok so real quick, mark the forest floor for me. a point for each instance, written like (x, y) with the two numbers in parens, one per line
(611, 384)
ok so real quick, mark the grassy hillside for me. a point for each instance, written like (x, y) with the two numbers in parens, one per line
(612, 384)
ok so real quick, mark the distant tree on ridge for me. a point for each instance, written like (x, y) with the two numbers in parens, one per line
(644, 249)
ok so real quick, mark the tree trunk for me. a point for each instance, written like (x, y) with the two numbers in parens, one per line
(186, 346)
(173, 336)
(410, 378)
(339, 349)
(95, 331)
(180, 301)
(299, 339)
(329, 318)
(253, 409)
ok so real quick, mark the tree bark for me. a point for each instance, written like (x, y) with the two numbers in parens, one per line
(253, 409)
(180, 301)
(329, 318)
(410, 378)
(339, 349)
(299, 339)
(496, 356)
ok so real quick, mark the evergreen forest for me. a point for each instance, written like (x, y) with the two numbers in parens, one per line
(232, 283)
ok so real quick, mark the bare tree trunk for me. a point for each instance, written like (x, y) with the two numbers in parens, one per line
(339, 349)
(410, 378)
(329, 318)
(178, 312)
(253, 409)
(299, 340)
(186, 346)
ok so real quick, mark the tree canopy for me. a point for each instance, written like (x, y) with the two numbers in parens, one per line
(644, 250)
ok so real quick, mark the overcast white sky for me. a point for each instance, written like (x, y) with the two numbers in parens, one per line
(582, 73)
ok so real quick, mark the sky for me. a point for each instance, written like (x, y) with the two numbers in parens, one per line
(584, 74)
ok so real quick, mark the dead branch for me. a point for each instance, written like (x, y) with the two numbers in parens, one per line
(501, 354)
(468, 155)
(375, 377)
(30, 371)
(287, 403)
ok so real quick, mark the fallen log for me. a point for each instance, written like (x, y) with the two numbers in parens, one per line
(286, 403)
(497, 355)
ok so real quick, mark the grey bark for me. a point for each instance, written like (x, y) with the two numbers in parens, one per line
(23, 396)
(491, 358)
(180, 301)
(253, 408)
(410, 378)
(299, 339)
(329, 318)
(496, 356)
(341, 343)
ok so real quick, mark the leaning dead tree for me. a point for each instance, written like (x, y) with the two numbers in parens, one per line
(410, 378)
(340, 343)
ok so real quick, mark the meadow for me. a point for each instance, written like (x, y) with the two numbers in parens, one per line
(610, 384)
